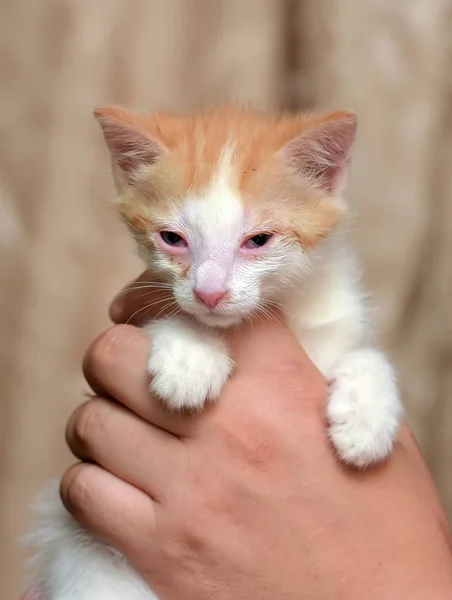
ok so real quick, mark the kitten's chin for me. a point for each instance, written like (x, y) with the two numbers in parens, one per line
(216, 320)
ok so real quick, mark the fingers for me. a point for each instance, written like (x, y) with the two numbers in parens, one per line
(113, 510)
(267, 344)
(141, 301)
(125, 445)
(116, 366)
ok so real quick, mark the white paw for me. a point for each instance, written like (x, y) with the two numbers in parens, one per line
(189, 364)
(364, 409)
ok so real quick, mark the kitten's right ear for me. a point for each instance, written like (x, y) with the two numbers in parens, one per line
(322, 153)
(130, 145)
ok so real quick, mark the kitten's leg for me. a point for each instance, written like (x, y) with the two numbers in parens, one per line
(71, 564)
(189, 363)
(364, 409)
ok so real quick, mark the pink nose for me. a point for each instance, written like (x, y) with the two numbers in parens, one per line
(210, 299)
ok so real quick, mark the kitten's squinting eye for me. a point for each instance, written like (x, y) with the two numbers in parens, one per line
(173, 239)
(257, 241)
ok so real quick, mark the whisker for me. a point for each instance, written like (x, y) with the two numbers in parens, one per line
(255, 313)
(274, 303)
(151, 281)
(137, 312)
(128, 289)
(156, 302)
(150, 305)
(174, 312)
(147, 294)
(267, 313)
(281, 308)
(138, 284)
(171, 306)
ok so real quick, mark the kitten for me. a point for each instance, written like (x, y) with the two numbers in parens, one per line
(238, 212)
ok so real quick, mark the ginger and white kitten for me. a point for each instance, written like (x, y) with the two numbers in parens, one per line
(238, 212)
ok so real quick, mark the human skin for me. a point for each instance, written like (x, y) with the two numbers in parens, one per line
(246, 499)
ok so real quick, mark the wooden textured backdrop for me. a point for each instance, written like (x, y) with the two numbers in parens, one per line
(63, 254)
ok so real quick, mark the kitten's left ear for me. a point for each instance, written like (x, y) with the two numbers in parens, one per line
(322, 154)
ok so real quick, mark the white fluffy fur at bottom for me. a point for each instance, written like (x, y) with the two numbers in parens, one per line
(72, 564)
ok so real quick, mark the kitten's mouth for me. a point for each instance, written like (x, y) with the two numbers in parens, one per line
(213, 319)
(224, 315)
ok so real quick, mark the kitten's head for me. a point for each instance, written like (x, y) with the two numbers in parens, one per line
(227, 205)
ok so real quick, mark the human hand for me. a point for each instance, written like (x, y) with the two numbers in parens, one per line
(246, 499)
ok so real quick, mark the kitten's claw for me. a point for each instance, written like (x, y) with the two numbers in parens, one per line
(364, 409)
(188, 364)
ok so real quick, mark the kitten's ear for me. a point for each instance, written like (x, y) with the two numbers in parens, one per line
(322, 154)
(130, 145)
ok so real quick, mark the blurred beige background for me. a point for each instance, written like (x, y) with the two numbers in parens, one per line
(63, 254)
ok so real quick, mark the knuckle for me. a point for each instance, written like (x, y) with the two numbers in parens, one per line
(253, 441)
(74, 488)
(186, 536)
(85, 423)
(108, 347)
(259, 448)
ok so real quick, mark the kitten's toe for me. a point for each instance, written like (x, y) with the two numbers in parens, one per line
(356, 441)
(190, 384)
(364, 410)
(188, 366)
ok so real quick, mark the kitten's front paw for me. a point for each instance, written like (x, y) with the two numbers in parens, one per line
(364, 410)
(189, 364)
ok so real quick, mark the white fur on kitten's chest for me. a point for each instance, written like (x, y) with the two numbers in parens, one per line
(328, 315)
(327, 312)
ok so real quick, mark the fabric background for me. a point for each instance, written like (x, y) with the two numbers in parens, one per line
(63, 254)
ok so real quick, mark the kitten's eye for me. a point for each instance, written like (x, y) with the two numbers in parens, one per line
(257, 241)
(173, 239)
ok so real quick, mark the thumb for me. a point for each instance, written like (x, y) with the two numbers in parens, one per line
(268, 346)
(142, 300)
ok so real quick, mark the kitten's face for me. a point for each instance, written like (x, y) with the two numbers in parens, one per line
(224, 263)
(227, 206)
